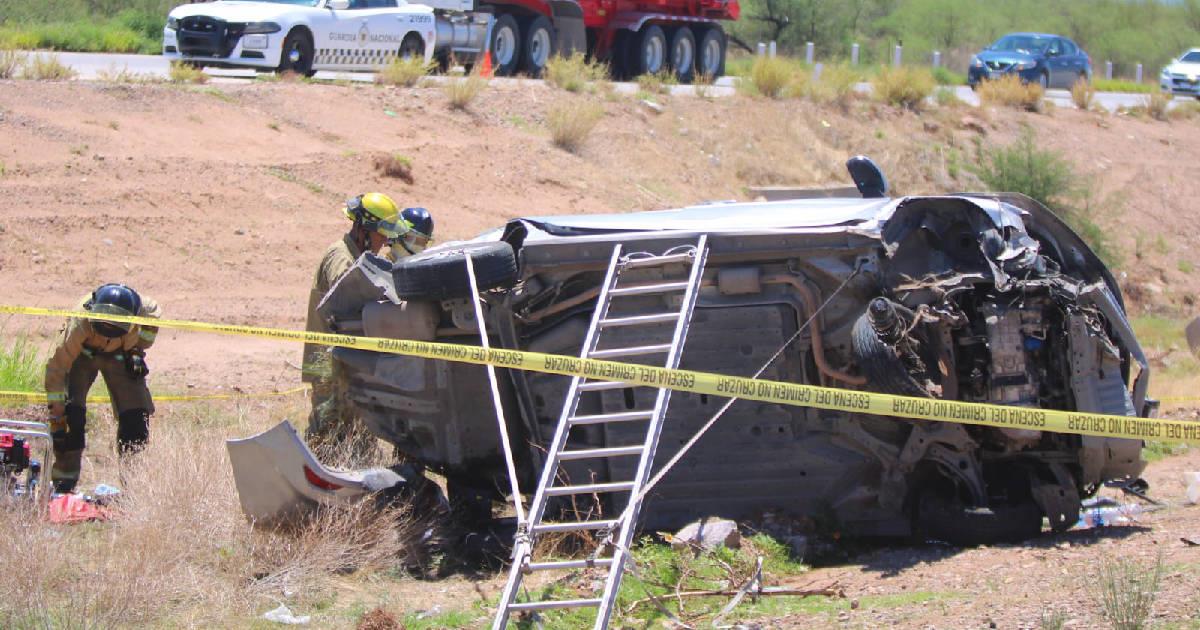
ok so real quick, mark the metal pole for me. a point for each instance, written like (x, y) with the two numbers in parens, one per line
(896, 54)
(937, 59)
(762, 49)
(771, 49)
(854, 54)
(1108, 70)
(1138, 74)
(808, 53)
(816, 73)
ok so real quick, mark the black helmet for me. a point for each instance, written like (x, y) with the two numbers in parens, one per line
(113, 299)
(420, 220)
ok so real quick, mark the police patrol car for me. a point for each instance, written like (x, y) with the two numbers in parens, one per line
(300, 36)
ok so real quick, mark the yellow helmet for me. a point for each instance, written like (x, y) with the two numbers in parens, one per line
(376, 212)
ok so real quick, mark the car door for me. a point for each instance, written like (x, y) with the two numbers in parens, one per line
(365, 34)
(1055, 63)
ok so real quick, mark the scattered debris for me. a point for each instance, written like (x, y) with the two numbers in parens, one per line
(284, 616)
(67, 509)
(1191, 541)
(652, 106)
(378, 619)
(1191, 479)
(708, 533)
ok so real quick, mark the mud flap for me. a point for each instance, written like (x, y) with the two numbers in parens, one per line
(278, 478)
(568, 27)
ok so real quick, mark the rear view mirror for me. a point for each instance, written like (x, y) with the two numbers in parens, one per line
(867, 177)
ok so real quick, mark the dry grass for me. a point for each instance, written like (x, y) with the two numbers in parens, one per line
(1011, 91)
(124, 75)
(1156, 105)
(462, 92)
(1126, 591)
(903, 87)
(574, 73)
(571, 123)
(658, 83)
(11, 62)
(835, 86)
(770, 77)
(183, 73)
(394, 165)
(1186, 110)
(46, 67)
(1083, 94)
(404, 72)
(180, 552)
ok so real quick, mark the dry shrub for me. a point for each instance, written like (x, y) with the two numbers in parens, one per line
(378, 619)
(1083, 94)
(1156, 105)
(46, 67)
(946, 97)
(570, 124)
(181, 72)
(573, 73)
(903, 87)
(658, 83)
(179, 552)
(394, 165)
(835, 85)
(125, 75)
(1186, 110)
(11, 62)
(771, 76)
(404, 72)
(461, 92)
(1126, 591)
(1011, 91)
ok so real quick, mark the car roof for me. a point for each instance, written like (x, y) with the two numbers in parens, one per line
(1029, 34)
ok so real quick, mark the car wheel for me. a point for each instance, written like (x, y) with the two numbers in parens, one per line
(710, 54)
(441, 274)
(683, 54)
(539, 45)
(506, 46)
(1044, 81)
(650, 51)
(297, 54)
(412, 47)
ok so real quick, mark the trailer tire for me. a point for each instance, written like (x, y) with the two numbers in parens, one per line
(683, 54)
(506, 45)
(441, 274)
(619, 54)
(649, 54)
(710, 53)
(539, 46)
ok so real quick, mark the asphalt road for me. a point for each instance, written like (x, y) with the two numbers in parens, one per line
(94, 65)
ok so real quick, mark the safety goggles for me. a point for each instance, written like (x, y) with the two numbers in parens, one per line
(109, 329)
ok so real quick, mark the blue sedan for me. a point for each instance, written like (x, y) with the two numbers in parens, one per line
(1049, 60)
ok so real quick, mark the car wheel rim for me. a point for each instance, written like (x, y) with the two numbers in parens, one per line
(653, 54)
(294, 55)
(683, 56)
(506, 45)
(539, 47)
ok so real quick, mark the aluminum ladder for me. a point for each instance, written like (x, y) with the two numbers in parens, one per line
(616, 534)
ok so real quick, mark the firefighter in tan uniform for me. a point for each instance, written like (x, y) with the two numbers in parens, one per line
(377, 222)
(87, 348)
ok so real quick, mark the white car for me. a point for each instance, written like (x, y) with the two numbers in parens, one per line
(300, 36)
(1182, 76)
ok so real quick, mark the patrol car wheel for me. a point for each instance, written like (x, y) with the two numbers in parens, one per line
(297, 54)
(412, 47)
(441, 274)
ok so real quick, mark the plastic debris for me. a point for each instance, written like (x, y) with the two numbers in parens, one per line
(66, 509)
(1192, 479)
(284, 616)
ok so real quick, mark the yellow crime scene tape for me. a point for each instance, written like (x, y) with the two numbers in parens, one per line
(844, 400)
(42, 397)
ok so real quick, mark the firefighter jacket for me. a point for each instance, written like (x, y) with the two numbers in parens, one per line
(338, 259)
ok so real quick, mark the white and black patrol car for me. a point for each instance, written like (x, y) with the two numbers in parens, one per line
(301, 36)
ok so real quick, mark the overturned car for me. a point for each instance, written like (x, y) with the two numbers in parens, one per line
(981, 298)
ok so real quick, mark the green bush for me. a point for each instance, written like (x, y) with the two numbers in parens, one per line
(20, 367)
(573, 73)
(1120, 85)
(945, 76)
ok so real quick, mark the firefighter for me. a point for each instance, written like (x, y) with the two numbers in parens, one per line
(419, 235)
(376, 222)
(117, 351)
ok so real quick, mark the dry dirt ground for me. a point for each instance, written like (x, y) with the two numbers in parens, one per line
(218, 201)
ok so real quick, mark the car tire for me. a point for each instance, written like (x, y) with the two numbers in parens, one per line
(441, 274)
(649, 54)
(1044, 81)
(506, 46)
(539, 46)
(682, 54)
(710, 53)
(412, 47)
(297, 54)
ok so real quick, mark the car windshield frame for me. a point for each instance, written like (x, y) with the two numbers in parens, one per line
(1191, 56)
(1028, 44)
(297, 3)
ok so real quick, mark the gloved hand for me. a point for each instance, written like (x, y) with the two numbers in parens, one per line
(58, 425)
(135, 364)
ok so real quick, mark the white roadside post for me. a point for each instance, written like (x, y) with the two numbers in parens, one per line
(896, 53)
(762, 49)
(1108, 70)
(854, 54)
(1138, 74)
(808, 53)
(937, 59)
(771, 49)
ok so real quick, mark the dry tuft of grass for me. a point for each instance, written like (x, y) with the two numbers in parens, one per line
(404, 72)
(1157, 104)
(462, 92)
(770, 77)
(11, 63)
(946, 97)
(903, 87)
(573, 73)
(1126, 591)
(570, 124)
(1186, 110)
(834, 86)
(46, 67)
(1011, 91)
(1083, 94)
(658, 83)
(395, 165)
(185, 73)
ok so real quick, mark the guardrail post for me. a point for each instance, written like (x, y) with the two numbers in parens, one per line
(808, 53)
(896, 53)
(854, 54)
(762, 49)
(937, 59)
(771, 49)
(1108, 70)
(1138, 74)
(816, 73)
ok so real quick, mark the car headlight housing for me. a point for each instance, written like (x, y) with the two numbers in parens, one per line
(253, 28)
(1024, 65)
(976, 62)
(1166, 73)
(173, 23)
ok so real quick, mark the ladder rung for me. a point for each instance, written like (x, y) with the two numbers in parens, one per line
(644, 289)
(589, 488)
(638, 320)
(592, 453)
(629, 352)
(595, 386)
(601, 418)
(559, 603)
(573, 526)
(658, 261)
(567, 564)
